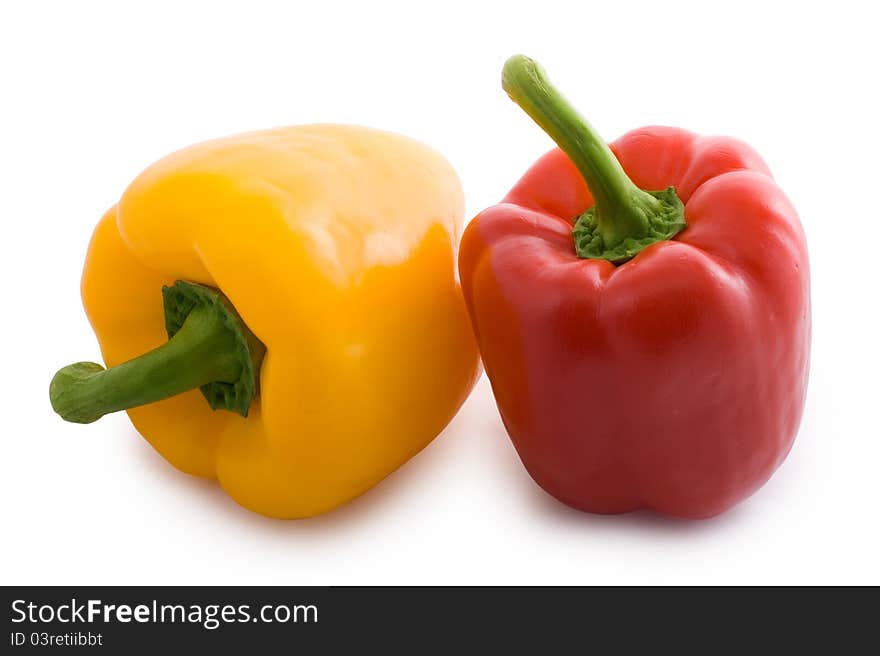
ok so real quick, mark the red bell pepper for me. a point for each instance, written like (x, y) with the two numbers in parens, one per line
(645, 349)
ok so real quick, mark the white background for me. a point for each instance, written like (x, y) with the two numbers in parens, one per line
(94, 92)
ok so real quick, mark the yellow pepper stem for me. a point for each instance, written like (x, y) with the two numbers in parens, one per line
(209, 347)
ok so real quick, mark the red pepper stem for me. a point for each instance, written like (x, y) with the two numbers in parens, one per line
(624, 218)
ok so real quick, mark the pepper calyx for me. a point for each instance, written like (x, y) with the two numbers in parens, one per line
(665, 219)
(179, 300)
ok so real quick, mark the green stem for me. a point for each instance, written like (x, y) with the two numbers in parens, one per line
(208, 349)
(624, 218)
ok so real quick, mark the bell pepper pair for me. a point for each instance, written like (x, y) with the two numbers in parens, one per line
(642, 312)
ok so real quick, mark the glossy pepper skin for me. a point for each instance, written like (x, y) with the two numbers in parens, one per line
(336, 246)
(674, 381)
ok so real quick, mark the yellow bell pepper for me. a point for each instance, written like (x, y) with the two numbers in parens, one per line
(339, 346)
